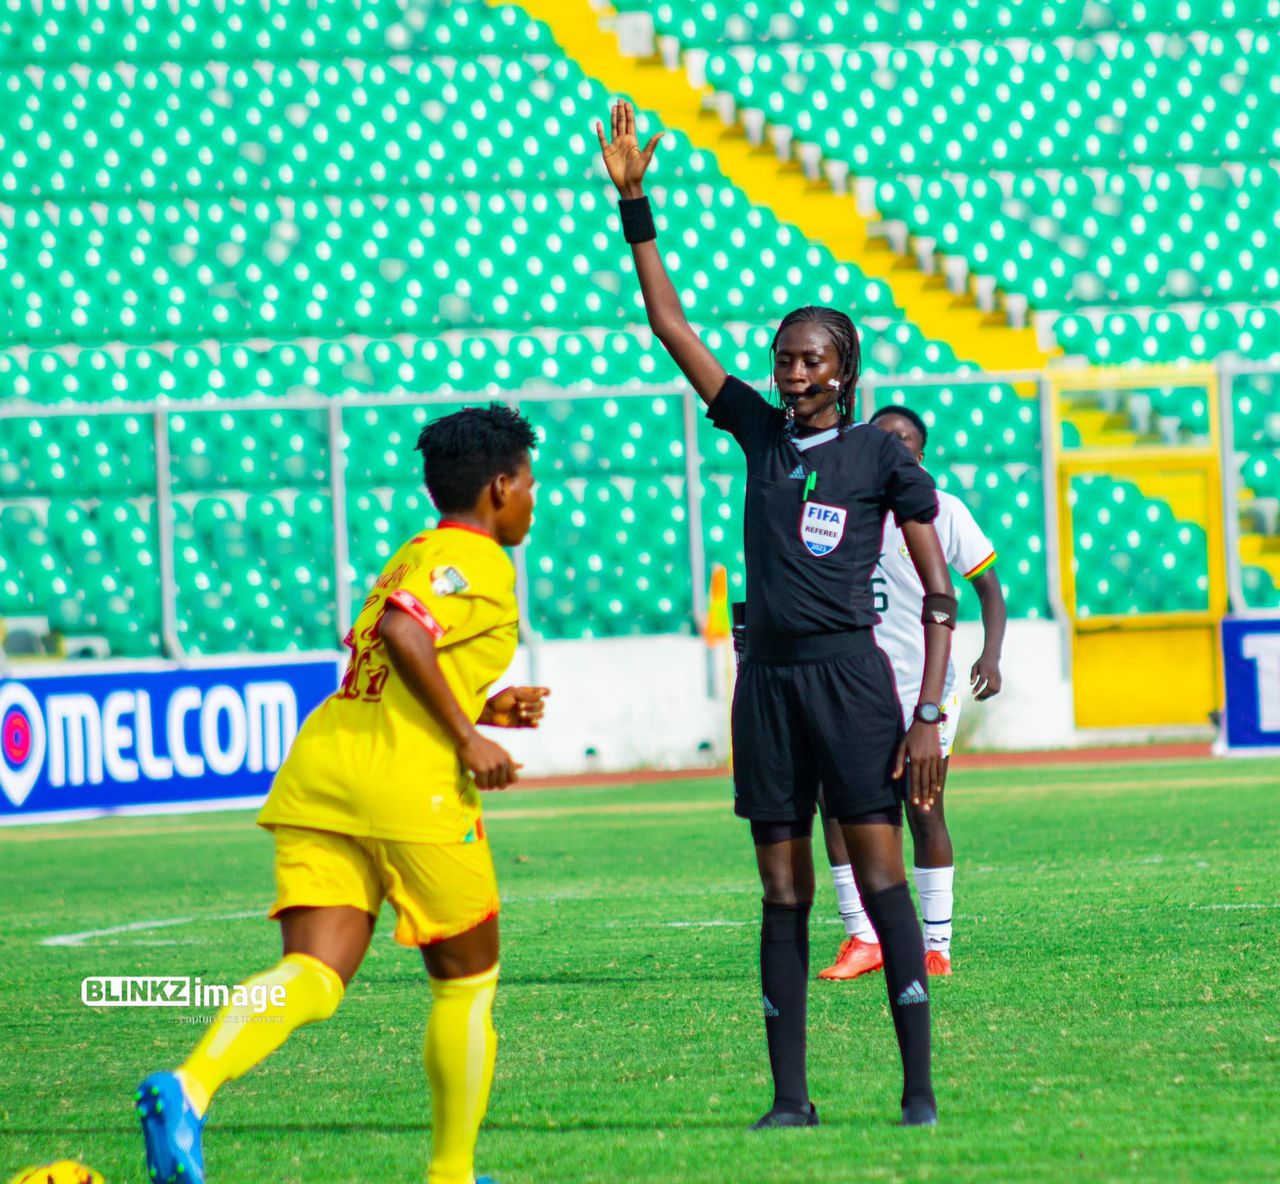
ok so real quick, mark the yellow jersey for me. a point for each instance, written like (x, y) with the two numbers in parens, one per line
(371, 761)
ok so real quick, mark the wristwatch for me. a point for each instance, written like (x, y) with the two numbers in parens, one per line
(929, 713)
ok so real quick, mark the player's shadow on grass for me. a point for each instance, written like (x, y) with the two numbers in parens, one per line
(657, 975)
(694, 1124)
(726, 1122)
(388, 1128)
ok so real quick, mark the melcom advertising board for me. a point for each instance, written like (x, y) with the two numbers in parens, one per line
(72, 745)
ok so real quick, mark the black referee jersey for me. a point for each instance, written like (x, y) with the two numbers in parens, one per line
(815, 510)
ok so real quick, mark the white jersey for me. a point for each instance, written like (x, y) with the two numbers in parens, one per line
(899, 594)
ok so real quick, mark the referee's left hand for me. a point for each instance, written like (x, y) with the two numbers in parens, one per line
(624, 159)
(920, 754)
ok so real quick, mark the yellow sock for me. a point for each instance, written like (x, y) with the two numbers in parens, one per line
(296, 991)
(460, 1050)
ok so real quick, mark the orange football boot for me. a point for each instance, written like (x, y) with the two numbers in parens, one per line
(936, 962)
(856, 957)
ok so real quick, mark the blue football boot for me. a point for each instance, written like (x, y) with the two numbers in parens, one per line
(170, 1130)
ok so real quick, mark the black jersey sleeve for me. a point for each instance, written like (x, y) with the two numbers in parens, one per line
(742, 411)
(909, 489)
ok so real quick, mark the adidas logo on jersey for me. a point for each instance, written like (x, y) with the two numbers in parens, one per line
(797, 474)
(771, 1012)
(914, 993)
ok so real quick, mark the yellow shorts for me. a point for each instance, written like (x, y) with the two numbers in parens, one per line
(438, 890)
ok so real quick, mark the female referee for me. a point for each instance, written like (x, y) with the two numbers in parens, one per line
(815, 703)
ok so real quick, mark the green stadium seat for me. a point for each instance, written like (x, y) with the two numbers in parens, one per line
(381, 442)
(723, 499)
(635, 434)
(1141, 559)
(1256, 410)
(1260, 473)
(1260, 590)
(610, 558)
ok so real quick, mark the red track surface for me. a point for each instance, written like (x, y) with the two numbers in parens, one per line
(1082, 756)
(978, 760)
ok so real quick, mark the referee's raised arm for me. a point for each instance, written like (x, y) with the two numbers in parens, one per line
(627, 163)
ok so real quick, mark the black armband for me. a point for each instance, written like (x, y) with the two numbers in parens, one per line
(939, 609)
(637, 220)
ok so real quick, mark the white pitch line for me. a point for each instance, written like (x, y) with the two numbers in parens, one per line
(713, 923)
(79, 939)
(1235, 904)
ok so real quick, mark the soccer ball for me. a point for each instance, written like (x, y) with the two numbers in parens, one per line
(65, 1171)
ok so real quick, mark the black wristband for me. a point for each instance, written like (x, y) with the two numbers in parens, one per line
(939, 609)
(637, 220)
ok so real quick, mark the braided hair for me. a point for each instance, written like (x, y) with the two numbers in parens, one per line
(844, 336)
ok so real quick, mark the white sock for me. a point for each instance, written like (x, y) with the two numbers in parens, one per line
(934, 885)
(852, 913)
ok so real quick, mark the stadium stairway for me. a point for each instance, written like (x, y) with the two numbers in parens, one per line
(816, 209)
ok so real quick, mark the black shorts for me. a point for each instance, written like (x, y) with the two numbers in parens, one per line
(823, 713)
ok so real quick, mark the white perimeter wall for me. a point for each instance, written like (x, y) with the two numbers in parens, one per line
(624, 703)
(662, 702)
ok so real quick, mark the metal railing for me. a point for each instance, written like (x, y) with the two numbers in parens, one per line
(334, 407)
(160, 411)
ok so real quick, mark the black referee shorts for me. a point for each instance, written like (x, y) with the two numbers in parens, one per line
(815, 712)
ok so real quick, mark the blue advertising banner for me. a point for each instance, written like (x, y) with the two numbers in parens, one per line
(83, 743)
(1251, 668)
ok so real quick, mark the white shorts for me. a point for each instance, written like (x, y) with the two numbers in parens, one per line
(947, 729)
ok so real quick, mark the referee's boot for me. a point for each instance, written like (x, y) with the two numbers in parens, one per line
(919, 1112)
(780, 1117)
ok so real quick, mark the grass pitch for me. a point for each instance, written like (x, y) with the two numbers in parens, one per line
(1115, 1012)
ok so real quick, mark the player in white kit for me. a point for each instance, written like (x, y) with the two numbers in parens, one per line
(898, 596)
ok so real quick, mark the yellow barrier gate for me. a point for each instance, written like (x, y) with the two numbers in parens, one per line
(1137, 466)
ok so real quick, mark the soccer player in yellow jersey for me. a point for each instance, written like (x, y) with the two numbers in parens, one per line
(378, 800)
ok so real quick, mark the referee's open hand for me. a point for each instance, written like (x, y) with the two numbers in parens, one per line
(623, 156)
(491, 765)
(920, 754)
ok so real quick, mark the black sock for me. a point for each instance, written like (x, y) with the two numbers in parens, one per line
(784, 982)
(901, 942)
